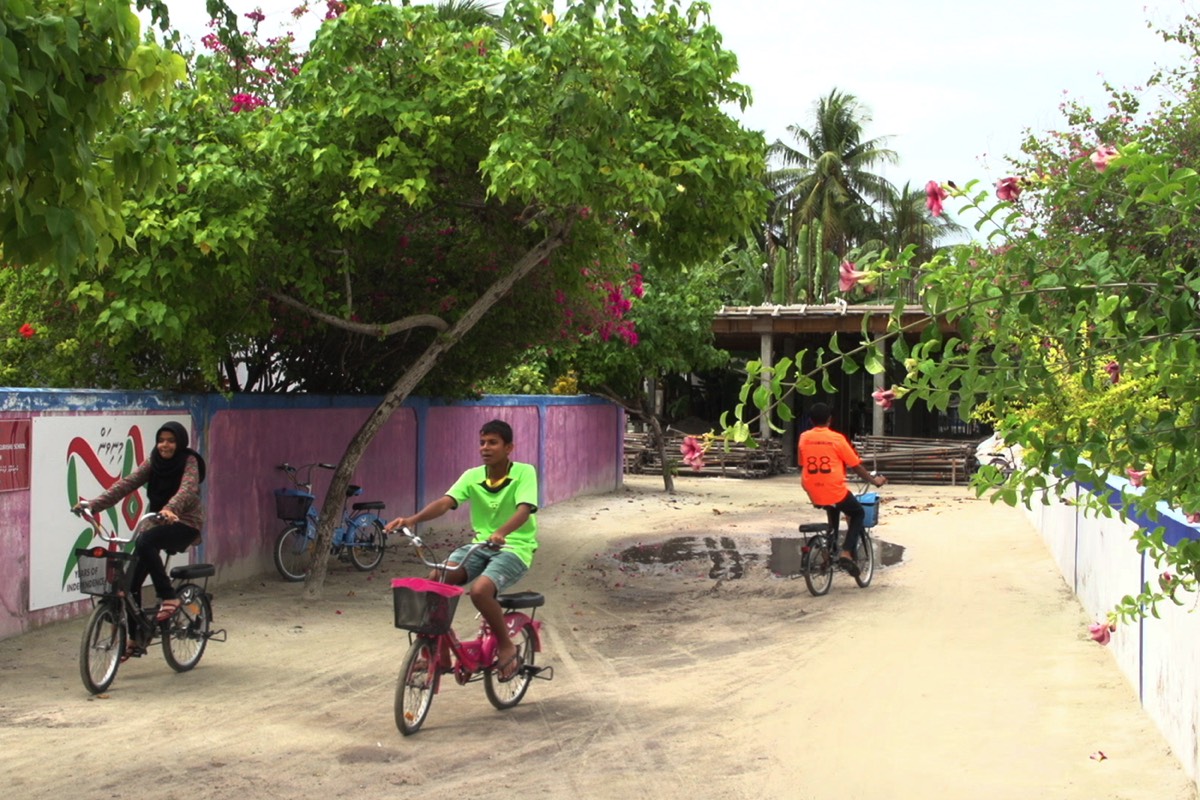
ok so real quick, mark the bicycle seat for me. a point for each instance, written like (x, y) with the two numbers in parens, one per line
(370, 505)
(511, 602)
(192, 571)
(814, 527)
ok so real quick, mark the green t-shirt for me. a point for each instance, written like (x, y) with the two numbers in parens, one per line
(491, 508)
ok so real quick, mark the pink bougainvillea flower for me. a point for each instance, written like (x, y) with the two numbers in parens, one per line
(27, 331)
(1114, 371)
(1137, 476)
(1193, 517)
(1165, 580)
(884, 397)
(934, 195)
(1101, 632)
(1008, 189)
(1102, 156)
(848, 276)
(256, 15)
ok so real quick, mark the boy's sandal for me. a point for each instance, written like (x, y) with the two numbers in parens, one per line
(510, 669)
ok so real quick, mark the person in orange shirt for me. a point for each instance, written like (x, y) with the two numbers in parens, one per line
(823, 456)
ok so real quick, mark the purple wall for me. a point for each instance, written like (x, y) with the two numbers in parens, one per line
(575, 442)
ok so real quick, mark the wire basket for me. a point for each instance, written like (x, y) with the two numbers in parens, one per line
(424, 606)
(101, 574)
(870, 503)
(292, 505)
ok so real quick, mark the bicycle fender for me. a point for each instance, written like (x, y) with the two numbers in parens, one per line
(516, 620)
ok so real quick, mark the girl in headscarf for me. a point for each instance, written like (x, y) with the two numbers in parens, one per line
(172, 476)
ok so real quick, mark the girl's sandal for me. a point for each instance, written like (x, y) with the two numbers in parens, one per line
(167, 610)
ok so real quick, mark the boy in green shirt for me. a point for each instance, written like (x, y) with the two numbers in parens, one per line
(503, 496)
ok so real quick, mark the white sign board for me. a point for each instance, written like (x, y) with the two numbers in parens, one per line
(74, 457)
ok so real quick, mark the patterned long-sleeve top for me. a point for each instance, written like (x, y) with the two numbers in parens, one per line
(185, 503)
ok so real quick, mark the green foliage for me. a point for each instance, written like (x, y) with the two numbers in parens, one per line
(330, 219)
(1078, 325)
(66, 71)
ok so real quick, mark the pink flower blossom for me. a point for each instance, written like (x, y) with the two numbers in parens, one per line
(1114, 371)
(1193, 517)
(848, 276)
(884, 397)
(1102, 156)
(1101, 632)
(256, 15)
(1137, 476)
(27, 331)
(1008, 189)
(1165, 580)
(246, 102)
(693, 452)
(934, 195)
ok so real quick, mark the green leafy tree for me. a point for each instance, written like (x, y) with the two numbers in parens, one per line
(429, 197)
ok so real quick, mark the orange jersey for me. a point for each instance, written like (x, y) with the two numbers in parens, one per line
(823, 456)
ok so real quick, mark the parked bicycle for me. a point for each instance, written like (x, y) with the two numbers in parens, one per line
(822, 543)
(104, 573)
(425, 608)
(360, 539)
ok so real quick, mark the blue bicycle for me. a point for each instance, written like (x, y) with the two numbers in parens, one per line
(360, 539)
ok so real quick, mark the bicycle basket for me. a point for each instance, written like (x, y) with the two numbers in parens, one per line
(101, 574)
(870, 504)
(424, 606)
(292, 504)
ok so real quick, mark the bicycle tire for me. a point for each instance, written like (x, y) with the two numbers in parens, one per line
(864, 556)
(818, 575)
(293, 552)
(366, 551)
(186, 634)
(101, 648)
(415, 688)
(506, 694)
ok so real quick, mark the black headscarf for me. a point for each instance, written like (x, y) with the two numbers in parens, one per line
(167, 473)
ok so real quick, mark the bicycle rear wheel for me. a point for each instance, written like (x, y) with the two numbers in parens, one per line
(294, 552)
(818, 575)
(101, 648)
(366, 550)
(186, 634)
(414, 691)
(864, 556)
(506, 694)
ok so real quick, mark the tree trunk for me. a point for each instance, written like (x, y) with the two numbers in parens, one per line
(659, 440)
(331, 510)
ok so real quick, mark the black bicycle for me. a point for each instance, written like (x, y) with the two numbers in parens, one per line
(109, 638)
(822, 544)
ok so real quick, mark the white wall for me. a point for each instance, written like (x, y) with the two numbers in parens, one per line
(1159, 656)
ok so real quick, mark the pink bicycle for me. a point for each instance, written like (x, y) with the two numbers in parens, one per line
(425, 608)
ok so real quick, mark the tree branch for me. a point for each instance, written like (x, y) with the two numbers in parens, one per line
(380, 331)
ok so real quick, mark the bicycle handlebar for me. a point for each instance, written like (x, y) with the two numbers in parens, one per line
(83, 510)
(441, 566)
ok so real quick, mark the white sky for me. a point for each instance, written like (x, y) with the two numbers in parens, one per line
(953, 83)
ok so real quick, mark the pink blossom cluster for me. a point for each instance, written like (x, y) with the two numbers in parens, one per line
(246, 102)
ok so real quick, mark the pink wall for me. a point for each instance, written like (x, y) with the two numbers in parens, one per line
(574, 442)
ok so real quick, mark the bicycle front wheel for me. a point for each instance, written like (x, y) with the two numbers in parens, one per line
(366, 547)
(506, 694)
(864, 556)
(294, 552)
(414, 691)
(101, 648)
(818, 575)
(186, 634)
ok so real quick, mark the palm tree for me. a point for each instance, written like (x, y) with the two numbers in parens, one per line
(827, 180)
(905, 220)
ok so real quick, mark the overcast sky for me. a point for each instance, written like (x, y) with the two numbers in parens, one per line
(952, 83)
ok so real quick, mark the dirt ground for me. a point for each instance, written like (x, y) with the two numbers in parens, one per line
(963, 671)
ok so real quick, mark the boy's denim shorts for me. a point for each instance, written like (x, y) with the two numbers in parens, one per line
(502, 567)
